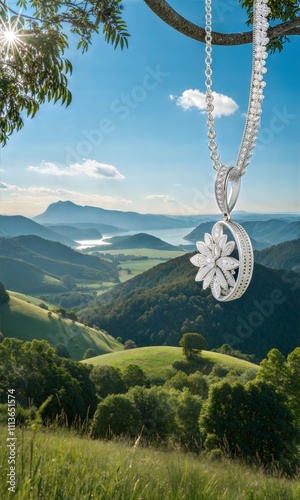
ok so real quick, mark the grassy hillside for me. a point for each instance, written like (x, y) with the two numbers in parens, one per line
(28, 278)
(27, 322)
(65, 466)
(158, 360)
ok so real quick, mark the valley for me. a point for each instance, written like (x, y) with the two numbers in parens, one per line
(141, 287)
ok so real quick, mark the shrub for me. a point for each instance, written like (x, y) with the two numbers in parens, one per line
(252, 422)
(116, 415)
(107, 380)
(89, 353)
(133, 375)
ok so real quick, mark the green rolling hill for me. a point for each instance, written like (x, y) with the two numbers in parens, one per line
(140, 240)
(28, 278)
(56, 259)
(157, 360)
(27, 321)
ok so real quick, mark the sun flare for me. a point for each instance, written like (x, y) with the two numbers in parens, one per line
(10, 36)
(10, 33)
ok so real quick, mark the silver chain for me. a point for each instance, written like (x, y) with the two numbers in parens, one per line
(260, 40)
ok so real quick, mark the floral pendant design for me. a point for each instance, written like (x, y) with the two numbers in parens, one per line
(218, 268)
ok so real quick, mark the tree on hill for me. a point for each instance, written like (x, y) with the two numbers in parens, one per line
(284, 12)
(134, 375)
(115, 416)
(192, 344)
(129, 344)
(33, 68)
(90, 353)
(107, 380)
(62, 351)
(4, 296)
(37, 373)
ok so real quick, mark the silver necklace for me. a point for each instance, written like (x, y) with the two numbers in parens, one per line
(228, 277)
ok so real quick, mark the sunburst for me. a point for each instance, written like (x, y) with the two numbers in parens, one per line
(11, 33)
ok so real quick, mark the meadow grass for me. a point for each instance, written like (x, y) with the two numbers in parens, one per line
(158, 360)
(27, 321)
(30, 299)
(62, 466)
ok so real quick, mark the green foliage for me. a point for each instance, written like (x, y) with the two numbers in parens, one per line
(192, 344)
(115, 416)
(90, 353)
(4, 296)
(227, 349)
(187, 413)
(129, 344)
(281, 11)
(37, 373)
(155, 411)
(252, 422)
(133, 375)
(107, 380)
(284, 375)
(179, 381)
(61, 350)
(33, 69)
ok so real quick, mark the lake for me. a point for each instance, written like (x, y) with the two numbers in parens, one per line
(171, 236)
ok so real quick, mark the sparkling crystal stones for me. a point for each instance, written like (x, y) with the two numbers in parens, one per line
(227, 177)
(217, 267)
(260, 40)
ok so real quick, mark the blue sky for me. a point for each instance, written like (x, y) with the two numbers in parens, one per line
(134, 137)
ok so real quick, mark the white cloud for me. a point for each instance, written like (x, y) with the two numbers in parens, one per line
(49, 168)
(35, 199)
(194, 98)
(93, 168)
(163, 197)
(10, 187)
(90, 168)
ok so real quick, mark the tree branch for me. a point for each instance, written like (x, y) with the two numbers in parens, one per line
(163, 10)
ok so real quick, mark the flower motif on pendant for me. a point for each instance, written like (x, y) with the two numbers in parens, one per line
(216, 267)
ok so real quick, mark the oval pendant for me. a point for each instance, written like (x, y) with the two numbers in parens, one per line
(227, 276)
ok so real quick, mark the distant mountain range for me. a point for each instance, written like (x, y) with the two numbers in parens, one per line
(17, 225)
(67, 212)
(263, 233)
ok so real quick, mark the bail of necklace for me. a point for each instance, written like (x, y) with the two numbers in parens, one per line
(227, 177)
